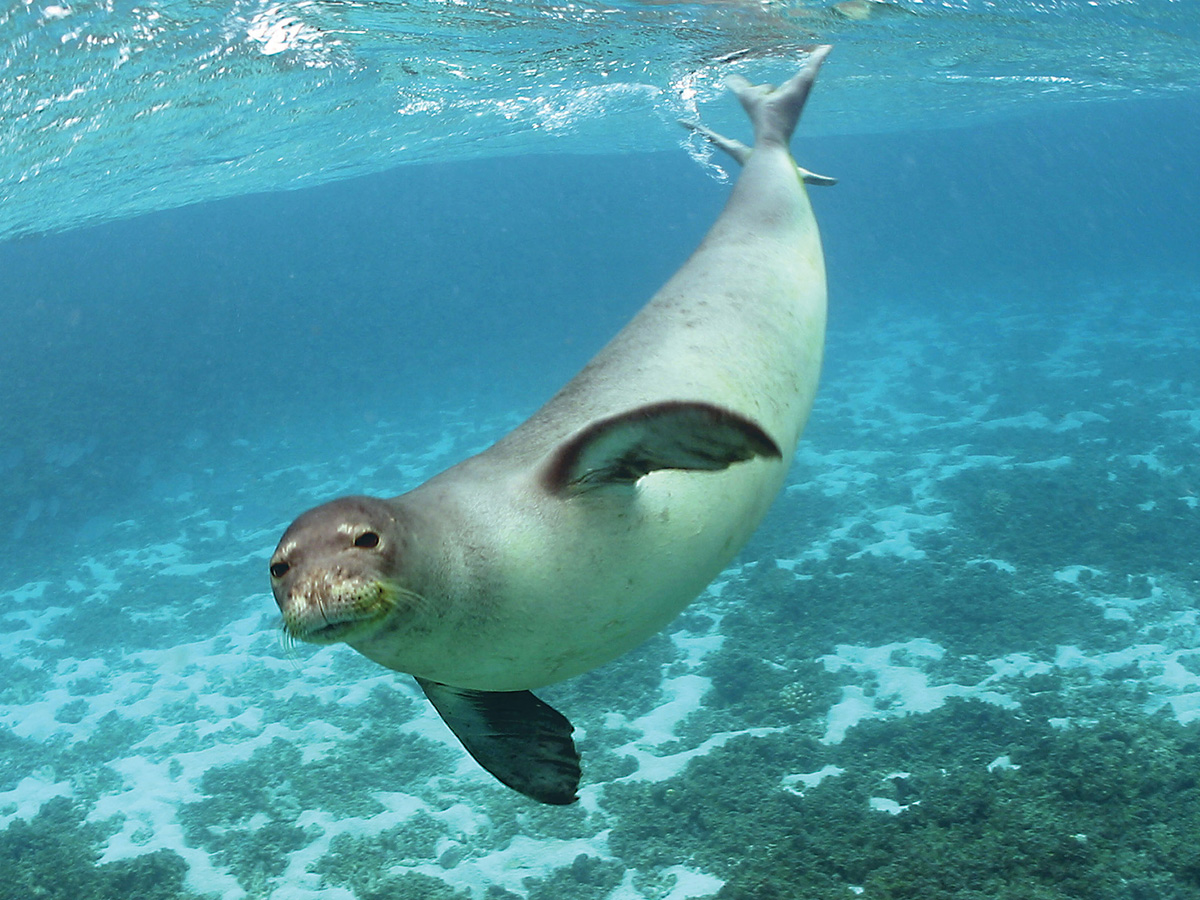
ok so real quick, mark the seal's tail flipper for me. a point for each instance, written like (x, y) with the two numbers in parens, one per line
(739, 151)
(774, 112)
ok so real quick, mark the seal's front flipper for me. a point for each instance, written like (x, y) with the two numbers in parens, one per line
(670, 435)
(524, 742)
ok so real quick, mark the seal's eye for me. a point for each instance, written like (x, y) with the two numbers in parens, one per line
(367, 539)
(279, 569)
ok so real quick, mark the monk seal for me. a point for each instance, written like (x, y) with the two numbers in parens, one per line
(591, 525)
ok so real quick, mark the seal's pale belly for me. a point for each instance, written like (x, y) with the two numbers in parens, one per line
(679, 541)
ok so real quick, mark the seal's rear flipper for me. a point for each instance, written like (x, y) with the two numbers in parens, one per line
(670, 435)
(774, 111)
(740, 152)
(524, 742)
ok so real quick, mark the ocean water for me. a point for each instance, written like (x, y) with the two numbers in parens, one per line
(259, 255)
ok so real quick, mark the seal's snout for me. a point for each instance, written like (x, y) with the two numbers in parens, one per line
(324, 605)
(327, 574)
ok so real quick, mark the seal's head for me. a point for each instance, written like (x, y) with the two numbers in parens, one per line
(330, 571)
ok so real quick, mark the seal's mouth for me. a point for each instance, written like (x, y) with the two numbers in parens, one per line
(329, 633)
(317, 614)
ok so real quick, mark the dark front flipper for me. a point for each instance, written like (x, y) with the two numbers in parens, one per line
(674, 434)
(524, 742)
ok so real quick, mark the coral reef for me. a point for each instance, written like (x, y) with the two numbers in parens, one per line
(361, 863)
(54, 857)
(247, 819)
(587, 878)
(1065, 819)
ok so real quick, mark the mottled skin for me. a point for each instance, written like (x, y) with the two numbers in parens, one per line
(485, 578)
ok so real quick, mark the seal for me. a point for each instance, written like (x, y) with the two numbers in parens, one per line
(592, 524)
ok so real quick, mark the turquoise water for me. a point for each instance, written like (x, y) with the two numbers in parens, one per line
(961, 659)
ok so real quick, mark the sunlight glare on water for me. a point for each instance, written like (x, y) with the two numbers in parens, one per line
(109, 110)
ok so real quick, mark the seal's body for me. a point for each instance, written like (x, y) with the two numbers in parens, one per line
(595, 522)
